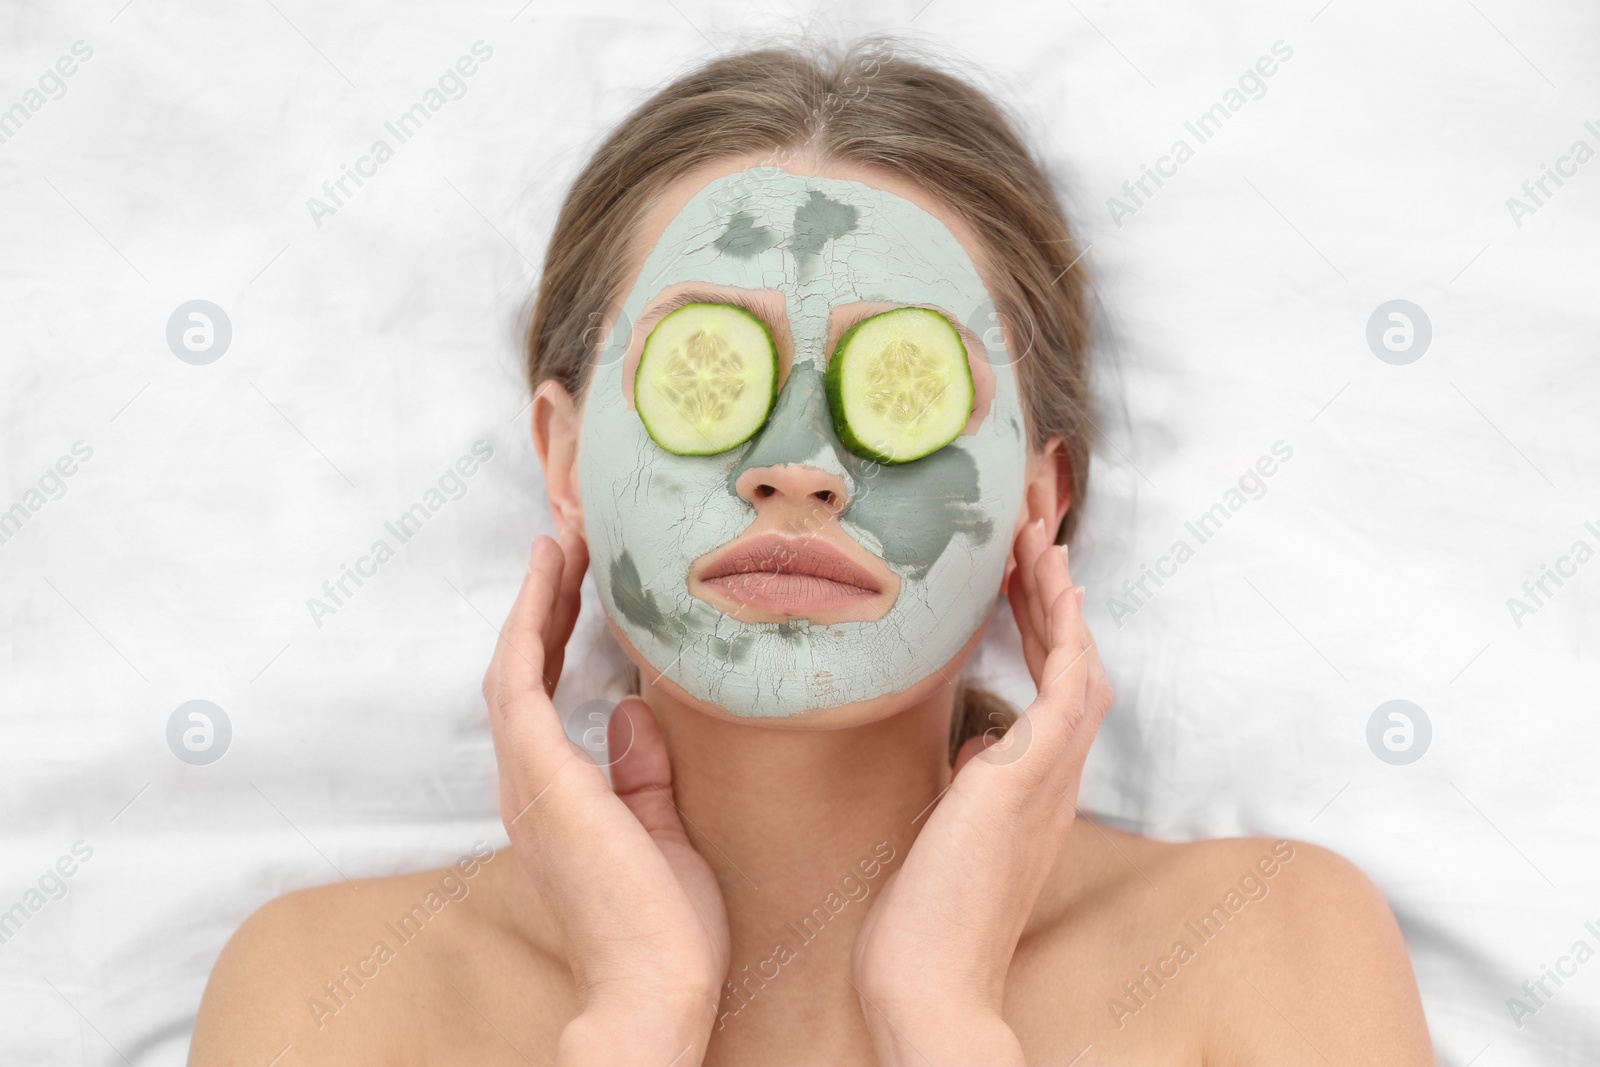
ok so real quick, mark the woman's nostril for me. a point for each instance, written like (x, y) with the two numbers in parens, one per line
(797, 484)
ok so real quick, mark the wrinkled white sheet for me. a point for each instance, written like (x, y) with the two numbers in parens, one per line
(373, 345)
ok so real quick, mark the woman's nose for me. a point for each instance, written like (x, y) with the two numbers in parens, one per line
(795, 462)
(797, 487)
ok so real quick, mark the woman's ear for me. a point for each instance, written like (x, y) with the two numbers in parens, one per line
(1049, 491)
(1046, 494)
(556, 422)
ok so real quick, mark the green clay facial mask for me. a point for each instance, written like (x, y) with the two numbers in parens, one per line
(941, 524)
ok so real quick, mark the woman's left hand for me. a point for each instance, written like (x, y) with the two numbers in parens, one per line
(931, 958)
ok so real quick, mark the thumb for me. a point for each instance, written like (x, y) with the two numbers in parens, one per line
(642, 775)
(969, 748)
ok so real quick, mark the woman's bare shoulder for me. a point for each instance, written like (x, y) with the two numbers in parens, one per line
(1296, 952)
(350, 971)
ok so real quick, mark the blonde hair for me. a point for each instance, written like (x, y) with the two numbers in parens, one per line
(869, 102)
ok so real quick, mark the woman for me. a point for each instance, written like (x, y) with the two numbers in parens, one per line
(811, 389)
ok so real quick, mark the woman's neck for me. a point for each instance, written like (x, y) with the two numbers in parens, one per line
(802, 826)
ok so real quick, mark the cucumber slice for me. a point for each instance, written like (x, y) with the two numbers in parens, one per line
(707, 379)
(899, 385)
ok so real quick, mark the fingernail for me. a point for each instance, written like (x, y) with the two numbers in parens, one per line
(1080, 597)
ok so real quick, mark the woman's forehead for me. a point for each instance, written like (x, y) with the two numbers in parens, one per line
(813, 237)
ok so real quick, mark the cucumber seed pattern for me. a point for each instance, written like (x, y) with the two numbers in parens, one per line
(703, 379)
(904, 383)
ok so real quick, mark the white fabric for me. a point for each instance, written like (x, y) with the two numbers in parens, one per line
(370, 352)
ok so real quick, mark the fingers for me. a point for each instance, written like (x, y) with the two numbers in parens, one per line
(564, 615)
(969, 748)
(1039, 579)
(1055, 713)
(1050, 572)
(1025, 606)
(1037, 544)
(519, 654)
(528, 735)
(1076, 684)
(1097, 701)
(1068, 637)
(642, 776)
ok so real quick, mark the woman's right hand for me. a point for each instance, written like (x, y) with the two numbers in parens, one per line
(640, 911)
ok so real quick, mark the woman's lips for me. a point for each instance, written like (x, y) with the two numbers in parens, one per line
(789, 575)
(792, 594)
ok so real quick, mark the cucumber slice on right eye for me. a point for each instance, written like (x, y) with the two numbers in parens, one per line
(707, 379)
(900, 386)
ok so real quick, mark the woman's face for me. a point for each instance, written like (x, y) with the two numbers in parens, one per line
(789, 574)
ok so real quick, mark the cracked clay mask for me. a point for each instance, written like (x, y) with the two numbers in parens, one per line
(941, 523)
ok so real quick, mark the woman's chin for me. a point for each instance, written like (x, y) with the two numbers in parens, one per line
(837, 717)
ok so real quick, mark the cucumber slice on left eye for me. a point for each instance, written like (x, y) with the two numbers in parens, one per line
(707, 379)
(900, 386)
